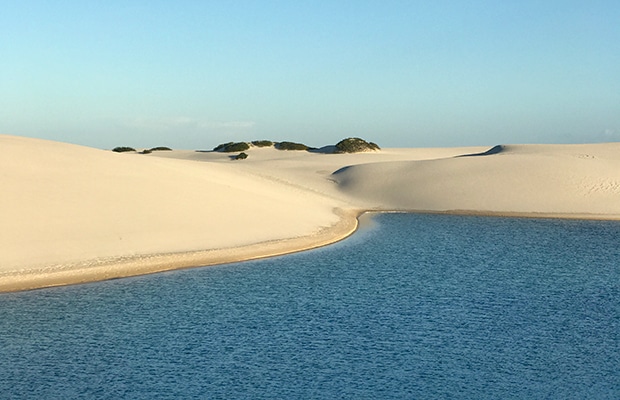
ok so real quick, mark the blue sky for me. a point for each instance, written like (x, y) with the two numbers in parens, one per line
(193, 74)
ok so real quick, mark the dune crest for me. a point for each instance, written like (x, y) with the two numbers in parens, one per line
(71, 213)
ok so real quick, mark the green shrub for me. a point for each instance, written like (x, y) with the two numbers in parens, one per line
(123, 149)
(291, 146)
(240, 156)
(232, 147)
(146, 151)
(220, 147)
(355, 145)
(161, 148)
(262, 143)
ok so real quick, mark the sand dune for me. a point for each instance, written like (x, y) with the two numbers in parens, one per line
(563, 180)
(71, 214)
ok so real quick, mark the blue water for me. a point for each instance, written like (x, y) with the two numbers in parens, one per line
(415, 306)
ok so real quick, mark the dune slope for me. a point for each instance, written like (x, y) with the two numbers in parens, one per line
(549, 179)
(66, 206)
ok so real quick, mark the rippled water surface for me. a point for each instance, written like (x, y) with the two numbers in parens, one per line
(415, 306)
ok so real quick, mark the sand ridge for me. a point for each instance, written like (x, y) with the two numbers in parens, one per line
(72, 214)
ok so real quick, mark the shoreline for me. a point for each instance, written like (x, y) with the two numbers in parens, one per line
(507, 214)
(90, 271)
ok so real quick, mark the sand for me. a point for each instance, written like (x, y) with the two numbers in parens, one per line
(73, 214)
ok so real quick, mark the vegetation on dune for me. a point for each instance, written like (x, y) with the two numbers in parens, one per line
(160, 148)
(123, 149)
(232, 147)
(348, 145)
(262, 143)
(355, 145)
(291, 146)
(240, 156)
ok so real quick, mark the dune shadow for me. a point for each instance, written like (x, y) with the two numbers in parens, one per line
(493, 150)
(341, 170)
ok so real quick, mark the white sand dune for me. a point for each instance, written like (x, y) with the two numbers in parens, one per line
(72, 214)
(562, 180)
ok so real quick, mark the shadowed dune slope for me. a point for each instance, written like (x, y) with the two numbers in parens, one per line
(571, 179)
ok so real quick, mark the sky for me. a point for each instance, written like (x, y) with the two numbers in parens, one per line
(193, 74)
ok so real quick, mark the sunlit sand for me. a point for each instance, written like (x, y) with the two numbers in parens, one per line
(73, 214)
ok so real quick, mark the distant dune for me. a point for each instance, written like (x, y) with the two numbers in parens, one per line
(72, 214)
(565, 180)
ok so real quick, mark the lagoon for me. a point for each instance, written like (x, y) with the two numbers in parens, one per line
(412, 306)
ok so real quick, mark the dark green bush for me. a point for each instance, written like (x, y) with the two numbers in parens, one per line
(221, 147)
(240, 156)
(146, 151)
(291, 146)
(262, 143)
(123, 149)
(355, 145)
(161, 148)
(232, 147)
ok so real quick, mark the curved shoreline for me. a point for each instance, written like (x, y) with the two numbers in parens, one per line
(122, 267)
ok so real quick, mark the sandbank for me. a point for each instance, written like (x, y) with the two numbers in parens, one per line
(74, 214)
